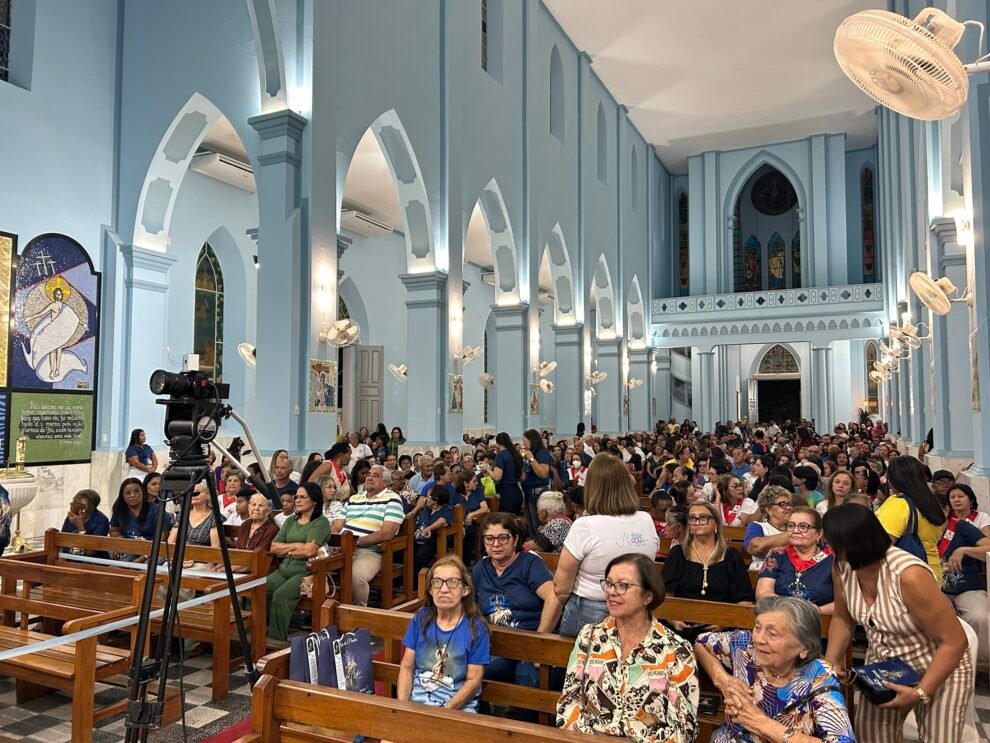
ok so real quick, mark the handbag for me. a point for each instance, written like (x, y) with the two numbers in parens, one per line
(870, 679)
(909, 540)
(327, 658)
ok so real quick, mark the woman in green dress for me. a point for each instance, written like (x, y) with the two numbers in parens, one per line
(297, 541)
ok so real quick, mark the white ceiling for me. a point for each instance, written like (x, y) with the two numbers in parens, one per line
(718, 75)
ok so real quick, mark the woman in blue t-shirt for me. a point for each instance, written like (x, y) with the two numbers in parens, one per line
(83, 518)
(803, 568)
(447, 643)
(140, 456)
(132, 516)
(436, 515)
(960, 550)
(470, 495)
(536, 466)
(507, 470)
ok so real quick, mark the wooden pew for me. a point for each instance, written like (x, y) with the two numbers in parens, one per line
(734, 533)
(451, 533)
(78, 666)
(320, 568)
(550, 559)
(290, 712)
(395, 581)
(211, 622)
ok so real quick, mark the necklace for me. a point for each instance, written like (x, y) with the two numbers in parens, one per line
(779, 677)
(704, 567)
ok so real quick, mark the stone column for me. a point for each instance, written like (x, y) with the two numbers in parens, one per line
(511, 369)
(705, 396)
(283, 330)
(569, 376)
(610, 391)
(145, 316)
(661, 383)
(821, 388)
(426, 354)
(640, 409)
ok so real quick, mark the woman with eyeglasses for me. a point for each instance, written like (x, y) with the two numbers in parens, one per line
(514, 589)
(803, 568)
(447, 643)
(651, 693)
(762, 536)
(730, 498)
(837, 489)
(703, 566)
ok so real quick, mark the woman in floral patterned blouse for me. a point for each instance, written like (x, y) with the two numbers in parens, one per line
(776, 686)
(628, 676)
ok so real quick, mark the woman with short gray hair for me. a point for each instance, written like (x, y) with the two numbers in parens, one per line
(555, 523)
(775, 683)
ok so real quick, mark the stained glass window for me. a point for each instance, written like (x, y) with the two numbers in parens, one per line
(869, 245)
(796, 261)
(208, 321)
(872, 388)
(778, 360)
(684, 286)
(342, 314)
(737, 251)
(484, 35)
(485, 419)
(5, 38)
(775, 262)
(752, 265)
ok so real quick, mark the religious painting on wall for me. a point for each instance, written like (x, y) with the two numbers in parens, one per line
(8, 249)
(208, 323)
(534, 399)
(974, 385)
(752, 265)
(322, 386)
(53, 351)
(455, 393)
(775, 262)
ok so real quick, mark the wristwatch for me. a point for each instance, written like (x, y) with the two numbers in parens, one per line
(922, 695)
(788, 734)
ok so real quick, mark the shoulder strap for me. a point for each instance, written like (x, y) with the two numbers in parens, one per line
(912, 525)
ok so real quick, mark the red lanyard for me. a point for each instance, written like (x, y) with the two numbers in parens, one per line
(800, 564)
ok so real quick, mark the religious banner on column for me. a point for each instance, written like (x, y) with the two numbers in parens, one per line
(52, 350)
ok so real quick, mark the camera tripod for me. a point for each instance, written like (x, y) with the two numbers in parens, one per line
(190, 441)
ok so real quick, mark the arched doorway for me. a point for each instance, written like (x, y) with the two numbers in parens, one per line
(778, 385)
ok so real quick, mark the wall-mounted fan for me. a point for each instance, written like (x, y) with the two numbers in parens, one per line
(597, 376)
(249, 353)
(877, 376)
(546, 367)
(634, 382)
(907, 335)
(341, 333)
(400, 372)
(937, 295)
(894, 350)
(469, 354)
(907, 65)
(546, 386)
(486, 380)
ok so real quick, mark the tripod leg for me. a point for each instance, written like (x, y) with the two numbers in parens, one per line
(247, 655)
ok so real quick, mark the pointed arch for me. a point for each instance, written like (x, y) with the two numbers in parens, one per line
(503, 244)
(776, 359)
(557, 106)
(636, 316)
(167, 170)
(562, 276)
(603, 295)
(407, 177)
(268, 45)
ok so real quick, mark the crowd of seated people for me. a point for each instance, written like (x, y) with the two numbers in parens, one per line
(795, 523)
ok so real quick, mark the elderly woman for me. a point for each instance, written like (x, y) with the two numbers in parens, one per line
(896, 599)
(83, 518)
(651, 693)
(964, 507)
(762, 536)
(555, 523)
(731, 500)
(804, 567)
(612, 525)
(297, 541)
(447, 643)
(837, 489)
(258, 531)
(514, 589)
(776, 686)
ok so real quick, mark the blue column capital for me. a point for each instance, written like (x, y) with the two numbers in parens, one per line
(639, 355)
(425, 289)
(944, 228)
(146, 260)
(281, 136)
(568, 335)
(610, 347)
(510, 316)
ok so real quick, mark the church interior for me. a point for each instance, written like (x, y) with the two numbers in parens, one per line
(511, 242)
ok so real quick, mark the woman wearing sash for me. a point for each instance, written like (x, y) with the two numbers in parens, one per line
(731, 500)
(803, 568)
(963, 506)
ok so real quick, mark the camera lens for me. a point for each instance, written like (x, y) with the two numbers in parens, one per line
(170, 383)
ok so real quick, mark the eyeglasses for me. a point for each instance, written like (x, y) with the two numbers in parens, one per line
(452, 583)
(620, 588)
(500, 538)
(784, 504)
(801, 528)
(702, 519)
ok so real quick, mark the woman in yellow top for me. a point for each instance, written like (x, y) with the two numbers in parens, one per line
(906, 479)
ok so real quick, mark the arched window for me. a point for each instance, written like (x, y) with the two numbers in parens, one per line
(796, 261)
(602, 145)
(684, 282)
(778, 360)
(752, 264)
(872, 387)
(556, 94)
(208, 320)
(869, 241)
(634, 179)
(767, 207)
(776, 266)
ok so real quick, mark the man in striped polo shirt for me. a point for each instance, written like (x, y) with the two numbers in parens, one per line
(373, 516)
